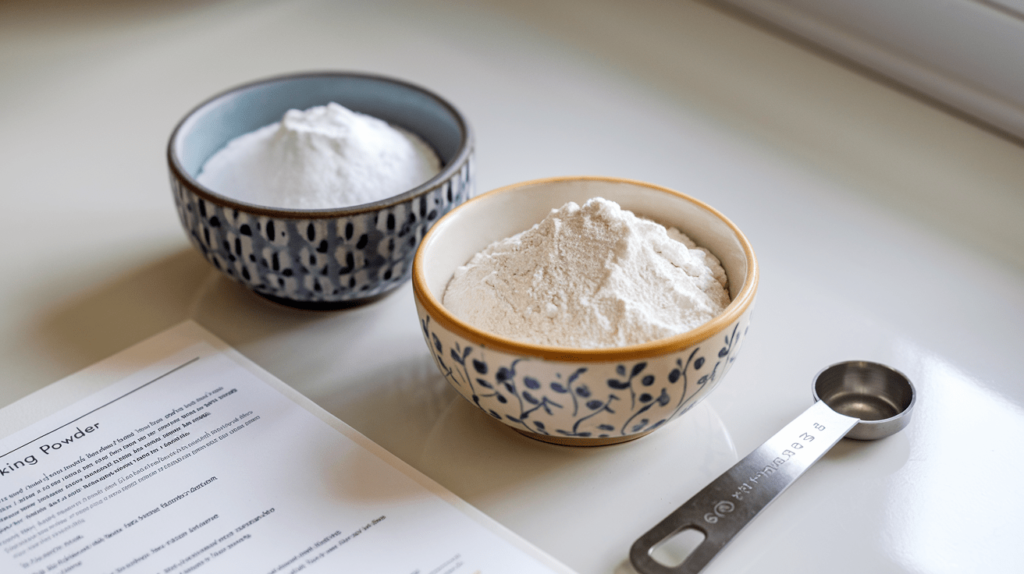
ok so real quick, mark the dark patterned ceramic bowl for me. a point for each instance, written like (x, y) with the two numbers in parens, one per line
(327, 258)
(575, 396)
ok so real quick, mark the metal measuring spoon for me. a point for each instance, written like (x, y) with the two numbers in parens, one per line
(855, 399)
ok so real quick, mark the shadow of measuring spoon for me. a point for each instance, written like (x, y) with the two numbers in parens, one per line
(856, 399)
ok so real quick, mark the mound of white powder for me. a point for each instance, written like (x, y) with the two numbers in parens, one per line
(323, 157)
(594, 276)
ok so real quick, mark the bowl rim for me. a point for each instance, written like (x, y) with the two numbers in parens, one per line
(465, 150)
(736, 308)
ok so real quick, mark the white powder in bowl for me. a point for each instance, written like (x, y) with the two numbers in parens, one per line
(595, 276)
(320, 158)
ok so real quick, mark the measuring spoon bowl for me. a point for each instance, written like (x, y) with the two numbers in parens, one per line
(881, 397)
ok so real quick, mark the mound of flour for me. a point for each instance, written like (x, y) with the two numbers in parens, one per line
(594, 276)
(323, 157)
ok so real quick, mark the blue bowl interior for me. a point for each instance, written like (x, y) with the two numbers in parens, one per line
(240, 111)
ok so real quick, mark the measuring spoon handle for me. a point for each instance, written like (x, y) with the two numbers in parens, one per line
(731, 501)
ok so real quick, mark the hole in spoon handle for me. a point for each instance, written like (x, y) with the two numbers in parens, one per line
(731, 501)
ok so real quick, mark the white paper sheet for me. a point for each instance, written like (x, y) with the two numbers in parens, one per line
(200, 461)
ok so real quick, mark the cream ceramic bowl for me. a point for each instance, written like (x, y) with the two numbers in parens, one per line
(571, 396)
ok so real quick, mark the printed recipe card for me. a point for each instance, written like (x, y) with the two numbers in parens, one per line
(197, 460)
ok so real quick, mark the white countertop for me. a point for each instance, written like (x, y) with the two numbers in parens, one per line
(886, 230)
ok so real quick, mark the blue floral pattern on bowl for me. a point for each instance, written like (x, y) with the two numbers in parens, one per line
(583, 402)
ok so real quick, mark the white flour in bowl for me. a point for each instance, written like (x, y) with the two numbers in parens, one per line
(320, 158)
(595, 276)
